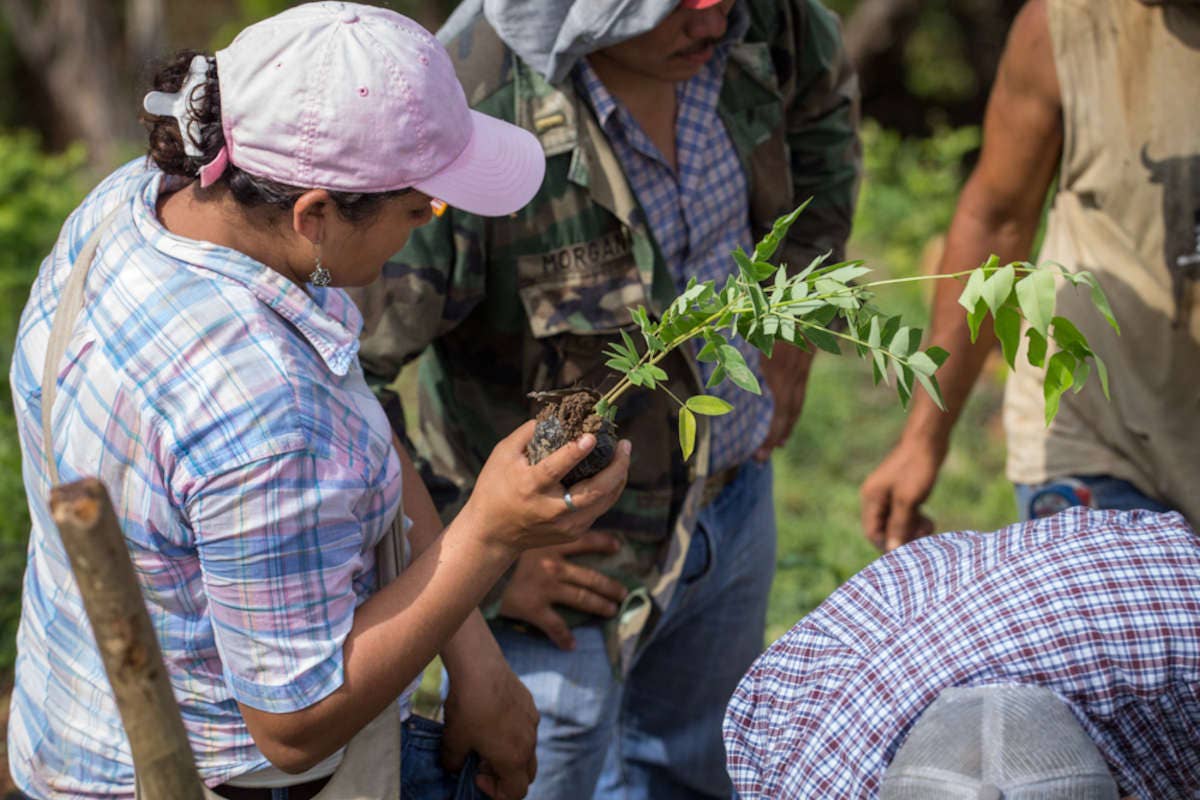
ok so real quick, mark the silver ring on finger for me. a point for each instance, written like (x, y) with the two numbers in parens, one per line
(570, 503)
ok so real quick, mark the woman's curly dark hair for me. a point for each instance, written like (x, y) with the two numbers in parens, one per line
(168, 153)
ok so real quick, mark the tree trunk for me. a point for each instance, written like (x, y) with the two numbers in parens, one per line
(150, 714)
(69, 46)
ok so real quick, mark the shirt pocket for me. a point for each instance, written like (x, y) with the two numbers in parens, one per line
(582, 288)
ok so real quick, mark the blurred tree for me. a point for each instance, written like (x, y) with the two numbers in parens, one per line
(76, 56)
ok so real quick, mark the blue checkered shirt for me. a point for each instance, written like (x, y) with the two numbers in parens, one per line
(1101, 607)
(697, 217)
(250, 467)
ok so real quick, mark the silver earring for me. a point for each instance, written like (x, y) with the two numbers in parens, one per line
(320, 276)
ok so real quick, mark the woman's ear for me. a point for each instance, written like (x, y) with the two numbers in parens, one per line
(310, 213)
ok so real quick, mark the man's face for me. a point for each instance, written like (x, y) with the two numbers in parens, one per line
(677, 48)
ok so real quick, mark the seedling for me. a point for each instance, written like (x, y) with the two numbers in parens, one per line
(765, 303)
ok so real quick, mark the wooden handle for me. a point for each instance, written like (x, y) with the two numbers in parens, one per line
(96, 547)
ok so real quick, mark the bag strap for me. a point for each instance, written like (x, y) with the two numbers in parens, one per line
(70, 303)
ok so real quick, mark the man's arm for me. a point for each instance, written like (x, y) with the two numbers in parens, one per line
(997, 213)
(825, 155)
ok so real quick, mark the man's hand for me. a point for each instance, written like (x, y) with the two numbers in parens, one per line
(786, 373)
(545, 577)
(892, 495)
(490, 711)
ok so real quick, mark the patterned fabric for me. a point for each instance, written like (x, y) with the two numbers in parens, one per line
(507, 306)
(251, 469)
(697, 216)
(1101, 607)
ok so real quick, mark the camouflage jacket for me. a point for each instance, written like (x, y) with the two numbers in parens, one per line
(502, 307)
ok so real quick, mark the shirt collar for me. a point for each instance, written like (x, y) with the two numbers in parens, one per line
(325, 317)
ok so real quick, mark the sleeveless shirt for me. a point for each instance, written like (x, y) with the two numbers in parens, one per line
(1127, 208)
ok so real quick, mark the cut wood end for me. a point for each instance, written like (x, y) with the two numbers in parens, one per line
(79, 503)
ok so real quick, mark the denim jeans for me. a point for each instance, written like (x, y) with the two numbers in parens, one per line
(657, 734)
(422, 776)
(1097, 491)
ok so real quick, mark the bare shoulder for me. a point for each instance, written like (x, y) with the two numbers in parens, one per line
(1027, 66)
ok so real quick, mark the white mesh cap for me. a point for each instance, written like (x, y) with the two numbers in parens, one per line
(998, 743)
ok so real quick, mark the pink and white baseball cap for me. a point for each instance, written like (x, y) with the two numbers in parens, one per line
(355, 98)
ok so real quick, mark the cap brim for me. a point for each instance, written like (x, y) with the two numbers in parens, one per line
(696, 5)
(498, 172)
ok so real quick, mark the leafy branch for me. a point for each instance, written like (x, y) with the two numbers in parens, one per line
(763, 304)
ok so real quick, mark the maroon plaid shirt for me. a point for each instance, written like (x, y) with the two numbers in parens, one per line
(1101, 607)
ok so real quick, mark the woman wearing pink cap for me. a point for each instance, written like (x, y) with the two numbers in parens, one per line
(209, 377)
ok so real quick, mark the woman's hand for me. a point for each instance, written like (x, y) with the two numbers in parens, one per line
(518, 505)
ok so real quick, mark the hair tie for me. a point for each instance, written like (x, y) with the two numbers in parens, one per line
(179, 105)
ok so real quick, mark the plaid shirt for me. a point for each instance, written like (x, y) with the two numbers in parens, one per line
(697, 217)
(1101, 607)
(252, 472)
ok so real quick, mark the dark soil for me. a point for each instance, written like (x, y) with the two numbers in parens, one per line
(564, 418)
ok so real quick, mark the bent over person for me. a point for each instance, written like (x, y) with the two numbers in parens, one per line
(1045, 660)
(674, 132)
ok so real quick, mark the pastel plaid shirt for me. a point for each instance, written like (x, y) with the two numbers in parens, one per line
(697, 217)
(251, 469)
(1101, 607)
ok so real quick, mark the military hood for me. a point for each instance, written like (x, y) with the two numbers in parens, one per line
(552, 35)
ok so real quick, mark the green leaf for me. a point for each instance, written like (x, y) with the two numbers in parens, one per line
(735, 366)
(998, 287)
(787, 329)
(844, 275)
(822, 339)
(812, 266)
(1008, 331)
(708, 405)
(972, 293)
(1099, 299)
(1060, 372)
(938, 354)
(717, 376)
(932, 389)
(975, 318)
(922, 364)
(1102, 371)
(1035, 293)
(1037, 348)
(687, 432)
(798, 290)
(770, 243)
(657, 372)
(758, 299)
(1068, 337)
(619, 364)
(905, 341)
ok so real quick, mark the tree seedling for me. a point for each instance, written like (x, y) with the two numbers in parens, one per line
(829, 307)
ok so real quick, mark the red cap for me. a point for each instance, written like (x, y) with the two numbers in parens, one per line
(697, 4)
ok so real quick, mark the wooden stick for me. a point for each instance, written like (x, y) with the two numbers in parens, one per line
(150, 714)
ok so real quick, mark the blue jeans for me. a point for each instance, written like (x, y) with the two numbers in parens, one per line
(422, 776)
(1096, 491)
(657, 734)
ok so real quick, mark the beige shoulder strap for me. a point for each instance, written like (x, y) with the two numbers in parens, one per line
(69, 306)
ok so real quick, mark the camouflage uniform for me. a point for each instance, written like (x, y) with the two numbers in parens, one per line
(529, 302)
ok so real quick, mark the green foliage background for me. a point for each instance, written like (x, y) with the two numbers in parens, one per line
(37, 191)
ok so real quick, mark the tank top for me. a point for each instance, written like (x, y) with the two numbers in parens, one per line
(1127, 208)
